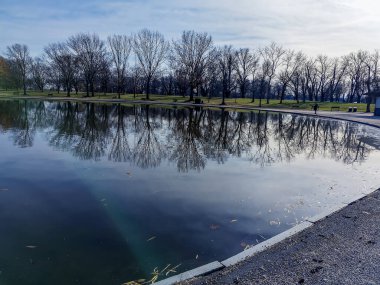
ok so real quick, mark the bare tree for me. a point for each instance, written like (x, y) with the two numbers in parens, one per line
(191, 54)
(62, 59)
(323, 64)
(296, 76)
(372, 81)
(255, 75)
(104, 75)
(311, 79)
(271, 55)
(291, 63)
(150, 48)
(120, 46)
(54, 77)
(90, 52)
(19, 54)
(226, 63)
(356, 70)
(337, 73)
(39, 73)
(246, 62)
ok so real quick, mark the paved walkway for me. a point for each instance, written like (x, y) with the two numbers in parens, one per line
(364, 118)
(341, 249)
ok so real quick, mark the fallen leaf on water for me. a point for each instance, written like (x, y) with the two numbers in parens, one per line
(173, 270)
(151, 238)
(196, 257)
(274, 223)
(155, 271)
(129, 174)
(163, 270)
(233, 221)
(214, 227)
(103, 200)
(31, 246)
(131, 283)
(262, 237)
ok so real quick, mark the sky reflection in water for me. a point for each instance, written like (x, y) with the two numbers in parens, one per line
(100, 194)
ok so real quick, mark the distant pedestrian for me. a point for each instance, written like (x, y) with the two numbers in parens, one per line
(315, 107)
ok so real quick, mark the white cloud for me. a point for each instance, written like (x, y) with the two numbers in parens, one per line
(332, 27)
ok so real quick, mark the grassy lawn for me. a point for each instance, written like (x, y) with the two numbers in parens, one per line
(287, 104)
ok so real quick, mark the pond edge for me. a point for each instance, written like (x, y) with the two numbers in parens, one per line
(252, 251)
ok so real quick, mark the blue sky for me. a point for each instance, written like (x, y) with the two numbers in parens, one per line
(333, 27)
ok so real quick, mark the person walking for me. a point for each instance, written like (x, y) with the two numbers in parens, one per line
(315, 107)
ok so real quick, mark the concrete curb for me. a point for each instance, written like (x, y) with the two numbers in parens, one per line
(266, 244)
(202, 270)
(327, 213)
(215, 266)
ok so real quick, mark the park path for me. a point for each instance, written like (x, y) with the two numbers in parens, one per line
(344, 248)
(359, 117)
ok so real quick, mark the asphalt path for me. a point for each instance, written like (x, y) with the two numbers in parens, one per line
(344, 248)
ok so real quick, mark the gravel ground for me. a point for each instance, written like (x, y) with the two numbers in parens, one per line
(341, 249)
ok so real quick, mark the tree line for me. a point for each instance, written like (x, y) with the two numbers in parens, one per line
(188, 138)
(189, 66)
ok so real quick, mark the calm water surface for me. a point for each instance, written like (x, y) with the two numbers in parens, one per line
(100, 194)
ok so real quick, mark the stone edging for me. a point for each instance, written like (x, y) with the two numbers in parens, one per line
(252, 251)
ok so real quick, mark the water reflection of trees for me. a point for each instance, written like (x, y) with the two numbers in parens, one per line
(147, 135)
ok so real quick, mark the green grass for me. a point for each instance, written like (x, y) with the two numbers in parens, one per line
(287, 104)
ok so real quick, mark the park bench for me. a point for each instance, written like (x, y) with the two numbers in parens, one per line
(352, 109)
(50, 95)
(335, 108)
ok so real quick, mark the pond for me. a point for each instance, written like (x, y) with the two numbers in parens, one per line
(106, 194)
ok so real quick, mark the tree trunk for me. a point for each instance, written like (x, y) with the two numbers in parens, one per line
(147, 88)
(369, 101)
(242, 90)
(24, 84)
(283, 89)
(191, 93)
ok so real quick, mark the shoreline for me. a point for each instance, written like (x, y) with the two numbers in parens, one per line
(238, 266)
(358, 117)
